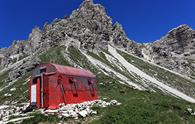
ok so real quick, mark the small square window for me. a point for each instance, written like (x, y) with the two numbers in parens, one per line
(34, 80)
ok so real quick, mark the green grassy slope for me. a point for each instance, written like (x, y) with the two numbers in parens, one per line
(140, 107)
(21, 94)
(190, 65)
(3, 77)
(137, 107)
(54, 55)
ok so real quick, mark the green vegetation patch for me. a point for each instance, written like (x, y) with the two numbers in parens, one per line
(3, 77)
(137, 107)
(54, 55)
(80, 59)
(38, 117)
(21, 94)
(101, 58)
(140, 107)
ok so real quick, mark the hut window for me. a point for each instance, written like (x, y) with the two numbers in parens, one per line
(59, 81)
(50, 69)
(43, 70)
(36, 71)
(34, 80)
(61, 87)
(91, 87)
(73, 86)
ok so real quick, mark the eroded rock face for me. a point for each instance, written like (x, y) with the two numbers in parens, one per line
(175, 51)
(89, 25)
(17, 51)
(88, 28)
(22, 68)
(35, 39)
(2, 51)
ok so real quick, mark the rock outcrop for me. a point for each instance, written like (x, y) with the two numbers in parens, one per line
(87, 28)
(175, 51)
(89, 25)
(90, 28)
(35, 39)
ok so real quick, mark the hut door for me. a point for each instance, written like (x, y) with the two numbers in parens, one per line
(37, 87)
(35, 91)
(45, 92)
(33, 94)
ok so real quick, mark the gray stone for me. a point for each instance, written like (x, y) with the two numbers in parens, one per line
(174, 51)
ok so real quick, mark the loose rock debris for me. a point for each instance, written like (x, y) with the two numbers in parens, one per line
(74, 111)
(81, 110)
(191, 111)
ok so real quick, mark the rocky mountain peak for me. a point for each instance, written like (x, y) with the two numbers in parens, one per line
(87, 3)
(35, 38)
(88, 39)
(176, 50)
(181, 27)
(180, 33)
(90, 11)
(88, 28)
(118, 26)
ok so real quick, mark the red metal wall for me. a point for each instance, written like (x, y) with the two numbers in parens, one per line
(45, 92)
(38, 93)
(72, 94)
(60, 88)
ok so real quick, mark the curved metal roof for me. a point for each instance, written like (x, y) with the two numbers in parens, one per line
(73, 71)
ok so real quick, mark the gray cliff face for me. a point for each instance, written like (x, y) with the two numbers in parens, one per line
(2, 51)
(88, 25)
(87, 28)
(17, 50)
(35, 39)
(90, 28)
(120, 39)
(175, 51)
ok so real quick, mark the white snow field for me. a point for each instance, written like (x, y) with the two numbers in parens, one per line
(132, 69)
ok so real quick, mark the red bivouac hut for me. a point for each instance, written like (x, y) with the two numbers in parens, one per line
(53, 84)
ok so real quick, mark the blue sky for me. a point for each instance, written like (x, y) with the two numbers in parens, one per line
(142, 20)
